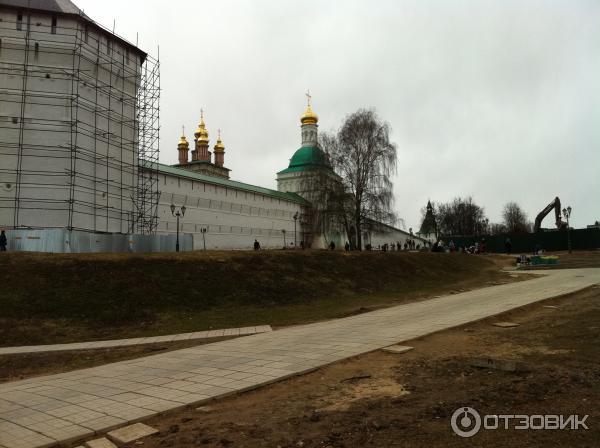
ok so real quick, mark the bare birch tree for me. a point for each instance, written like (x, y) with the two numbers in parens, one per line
(362, 154)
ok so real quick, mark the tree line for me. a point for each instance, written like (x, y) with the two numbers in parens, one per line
(462, 216)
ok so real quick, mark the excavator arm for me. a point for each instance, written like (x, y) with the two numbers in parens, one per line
(555, 204)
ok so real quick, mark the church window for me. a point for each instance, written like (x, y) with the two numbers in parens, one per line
(86, 35)
(19, 22)
(53, 27)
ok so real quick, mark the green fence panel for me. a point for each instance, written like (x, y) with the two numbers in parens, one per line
(581, 239)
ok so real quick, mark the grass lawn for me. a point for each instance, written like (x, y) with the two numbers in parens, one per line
(56, 298)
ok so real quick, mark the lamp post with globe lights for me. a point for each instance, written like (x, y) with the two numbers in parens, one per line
(179, 213)
(295, 221)
(567, 214)
(203, 232)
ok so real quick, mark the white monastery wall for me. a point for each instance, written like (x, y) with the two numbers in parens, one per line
(390, 236)
(233, 217)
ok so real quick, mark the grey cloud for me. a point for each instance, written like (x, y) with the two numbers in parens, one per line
(497, 99)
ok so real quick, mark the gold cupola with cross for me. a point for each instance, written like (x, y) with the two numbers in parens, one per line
(309, 116)
(201, 141)
(201, 156)
(219, 150)
(183, 147)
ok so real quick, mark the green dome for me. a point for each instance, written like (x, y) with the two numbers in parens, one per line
(308, 157)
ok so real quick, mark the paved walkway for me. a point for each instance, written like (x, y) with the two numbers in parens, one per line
(136, 341)
(41, 411)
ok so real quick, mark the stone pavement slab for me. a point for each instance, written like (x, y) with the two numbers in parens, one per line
(43, 411)
(135, 341)
(505, 324)
(397, 348)
(131, 433)
(100, 443)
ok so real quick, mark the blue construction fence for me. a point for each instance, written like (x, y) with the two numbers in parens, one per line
(75, 241)
(581, 239)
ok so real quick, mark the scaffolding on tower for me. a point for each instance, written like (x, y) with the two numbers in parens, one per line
(79, 127)
(148, 119)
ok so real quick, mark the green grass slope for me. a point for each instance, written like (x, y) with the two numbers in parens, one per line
(57, 298)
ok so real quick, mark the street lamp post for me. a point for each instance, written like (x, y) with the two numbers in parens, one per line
(178, 214)
(203, 231)
(295, 220)
(303, 225)
(567, 215)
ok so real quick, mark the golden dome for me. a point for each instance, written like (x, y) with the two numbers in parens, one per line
(309, 117)
(199, 130)
(183, 143)
(201, 133)
(203, 138)
(219, 146)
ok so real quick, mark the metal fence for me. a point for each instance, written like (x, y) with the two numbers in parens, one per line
(581, 239)
(65, 241)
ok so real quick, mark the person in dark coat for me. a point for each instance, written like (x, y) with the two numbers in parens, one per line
(3, 241)
(256, 245)
(332, 246)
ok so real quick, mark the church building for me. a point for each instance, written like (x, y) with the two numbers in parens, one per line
(224, 214)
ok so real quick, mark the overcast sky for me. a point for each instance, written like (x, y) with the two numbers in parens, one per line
(495, 99)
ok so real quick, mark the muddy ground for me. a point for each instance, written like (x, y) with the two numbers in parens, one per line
(407, 400)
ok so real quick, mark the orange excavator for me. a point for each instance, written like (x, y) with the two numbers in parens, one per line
(555, 204)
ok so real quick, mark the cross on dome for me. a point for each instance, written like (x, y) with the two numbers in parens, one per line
(309, 117)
